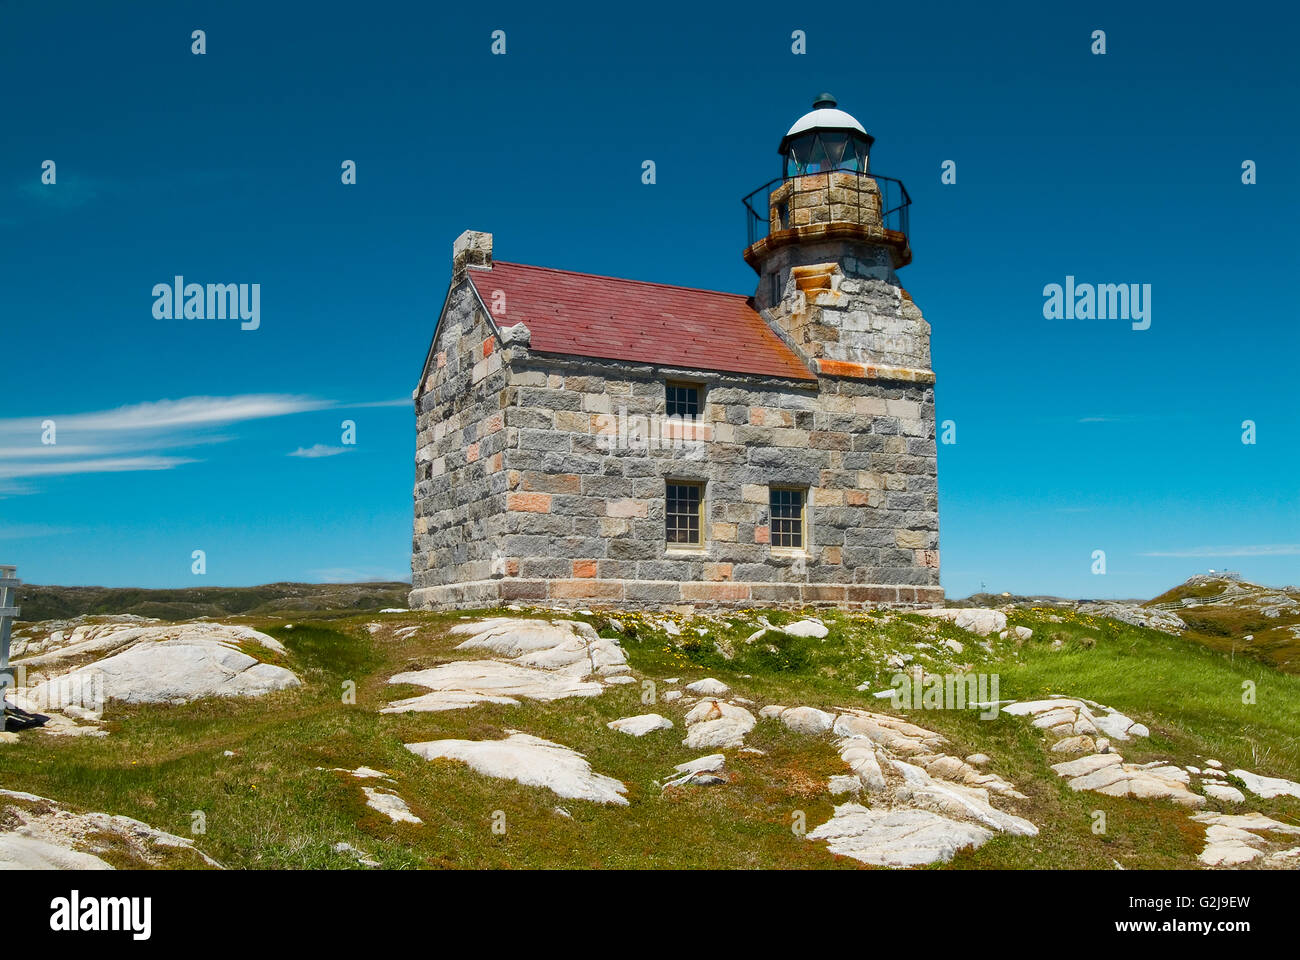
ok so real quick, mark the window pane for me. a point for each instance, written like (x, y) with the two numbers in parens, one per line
(682, 513)
(683, 399)
(786, 517)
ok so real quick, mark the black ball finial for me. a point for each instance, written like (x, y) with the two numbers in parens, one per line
(823, 100)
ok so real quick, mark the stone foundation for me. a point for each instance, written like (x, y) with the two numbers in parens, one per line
(655, 594)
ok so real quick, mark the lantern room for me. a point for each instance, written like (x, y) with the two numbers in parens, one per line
(825, 138)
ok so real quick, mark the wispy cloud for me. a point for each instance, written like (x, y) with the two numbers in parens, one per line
(399, 402)
(168, 414)
(25, 531)
(134, 437)
(1251, 550)
(144, 436)
(318, 450)
(103, 465)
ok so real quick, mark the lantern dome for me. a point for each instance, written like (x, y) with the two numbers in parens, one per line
(825, 138)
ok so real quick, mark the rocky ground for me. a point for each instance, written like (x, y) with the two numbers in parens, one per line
(747, 739)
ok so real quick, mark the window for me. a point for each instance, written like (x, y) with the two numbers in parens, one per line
(683, 506)
(684, 399)
(787, 517)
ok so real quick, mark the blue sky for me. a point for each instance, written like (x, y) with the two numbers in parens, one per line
(1072, 435)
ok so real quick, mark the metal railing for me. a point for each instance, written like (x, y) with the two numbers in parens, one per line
(894, 200)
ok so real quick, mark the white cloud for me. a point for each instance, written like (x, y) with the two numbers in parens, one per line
(104, 465)
(399, 402)
(1252, 550)
(25, 531)
(169, 414)
(143, 436)
(317, 450)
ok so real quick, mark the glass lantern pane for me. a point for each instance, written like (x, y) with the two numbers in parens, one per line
(834, 144)
(799, 151)
(817, 159)
(860, 148)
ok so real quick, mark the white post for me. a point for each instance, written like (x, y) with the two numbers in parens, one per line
(8, 593)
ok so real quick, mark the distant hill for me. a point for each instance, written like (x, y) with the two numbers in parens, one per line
(1236, 616)
(58, 603)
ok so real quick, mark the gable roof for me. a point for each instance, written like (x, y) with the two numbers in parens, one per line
(580, 314)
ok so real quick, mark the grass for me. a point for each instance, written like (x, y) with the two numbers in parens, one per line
(277, 801)
(1238, 626)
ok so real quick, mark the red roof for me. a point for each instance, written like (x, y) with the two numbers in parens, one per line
(584, 315)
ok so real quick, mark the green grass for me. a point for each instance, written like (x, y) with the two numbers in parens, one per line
(269, 805)
(1237, 626)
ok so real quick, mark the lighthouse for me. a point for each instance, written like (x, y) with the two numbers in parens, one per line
(827, 239)
(802, 467)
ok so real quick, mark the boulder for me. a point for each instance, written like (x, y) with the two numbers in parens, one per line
(708, 687)
(806, 628)
(977, 620)
(1223, 792)
(640, 725)
(717, 724)
(808, 720)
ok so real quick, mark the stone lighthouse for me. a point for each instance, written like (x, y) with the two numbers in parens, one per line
(827, 239)
(585, 439)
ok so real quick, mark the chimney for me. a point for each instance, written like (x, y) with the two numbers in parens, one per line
(471, 249)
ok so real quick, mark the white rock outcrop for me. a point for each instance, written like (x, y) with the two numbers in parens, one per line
(640, 725)
(975, 620)
(389, 804)
(547, 661)
(531, 761)
(160, 664)
(40, 834)
(926, 804)
(806, 628)
(1066, 717)
(1107, 773)
(896, 838)
(1235, 839)
(1267, 787)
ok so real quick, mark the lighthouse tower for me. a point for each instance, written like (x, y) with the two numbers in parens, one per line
(827, 239)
